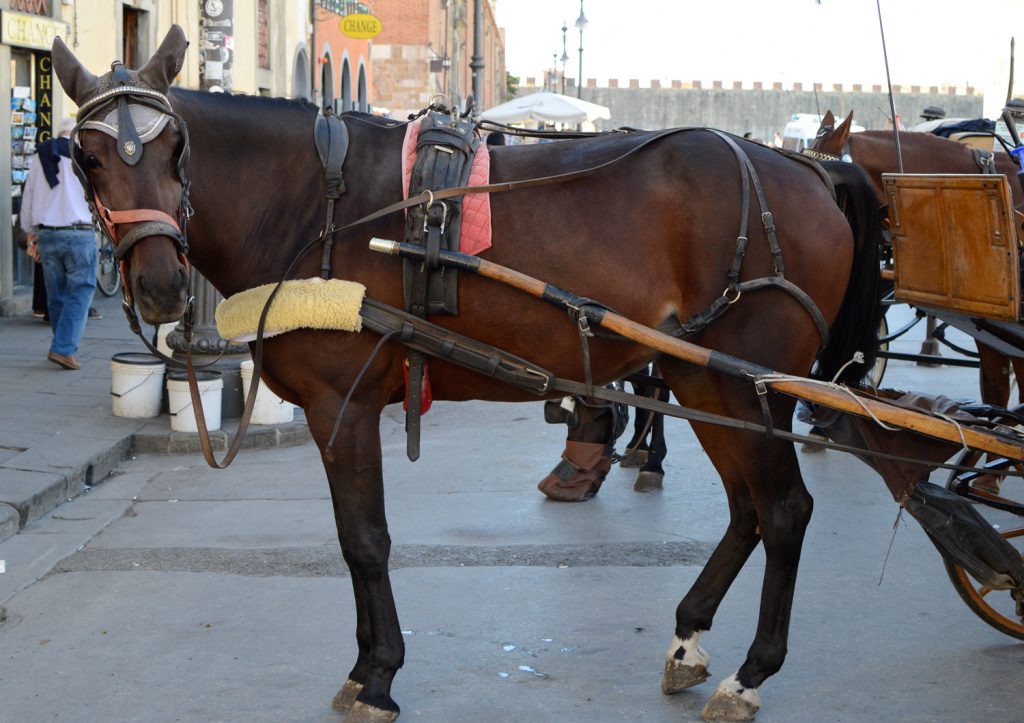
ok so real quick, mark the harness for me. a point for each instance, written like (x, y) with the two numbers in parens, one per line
(446, 145)
(445, 148)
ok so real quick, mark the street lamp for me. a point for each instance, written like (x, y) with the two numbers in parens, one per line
(581, 22)
(565, 55)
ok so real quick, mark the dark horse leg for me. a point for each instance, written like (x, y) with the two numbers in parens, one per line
(354, 473)
(637, 449)
(588, 454)
(649, 456)
(994, 378)
(652, 473)
(768, 503)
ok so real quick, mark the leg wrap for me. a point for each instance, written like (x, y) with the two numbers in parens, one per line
(579, 475)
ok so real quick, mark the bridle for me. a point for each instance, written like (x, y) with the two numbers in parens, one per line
(822, 155)
(151, 222)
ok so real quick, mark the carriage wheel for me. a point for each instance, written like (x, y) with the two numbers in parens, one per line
(995, 607)
(108, 276)
(878, 370)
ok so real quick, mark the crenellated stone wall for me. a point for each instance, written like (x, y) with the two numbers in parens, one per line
(762, 108)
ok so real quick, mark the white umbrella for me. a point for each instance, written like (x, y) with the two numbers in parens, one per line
(548, 107)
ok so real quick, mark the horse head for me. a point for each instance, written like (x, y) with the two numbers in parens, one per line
(831, 140)
(130, 150)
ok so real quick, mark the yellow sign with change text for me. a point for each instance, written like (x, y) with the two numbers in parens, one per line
(361, 26)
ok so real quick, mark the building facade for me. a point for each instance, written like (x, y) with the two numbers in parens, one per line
(425, 49)
(345, 77)
(250, 46)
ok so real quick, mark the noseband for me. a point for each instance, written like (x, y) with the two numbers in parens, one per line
(121, 89)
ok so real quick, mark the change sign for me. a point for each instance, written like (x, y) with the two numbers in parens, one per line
(361, 25)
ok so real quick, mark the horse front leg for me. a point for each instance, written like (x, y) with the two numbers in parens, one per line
(355, 476)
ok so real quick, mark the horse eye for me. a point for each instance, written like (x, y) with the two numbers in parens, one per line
(92, 162)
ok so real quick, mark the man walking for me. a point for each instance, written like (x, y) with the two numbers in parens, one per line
(56, 219)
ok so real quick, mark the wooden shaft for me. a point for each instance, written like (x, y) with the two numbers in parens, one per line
(613, 322)
(701, 356)
(897, 416)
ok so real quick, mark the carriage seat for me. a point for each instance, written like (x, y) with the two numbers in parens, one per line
(981, 141)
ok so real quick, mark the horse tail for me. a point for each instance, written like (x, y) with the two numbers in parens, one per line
(855, 328)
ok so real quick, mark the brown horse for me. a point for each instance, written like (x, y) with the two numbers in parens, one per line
(875, 152)
(673, 205)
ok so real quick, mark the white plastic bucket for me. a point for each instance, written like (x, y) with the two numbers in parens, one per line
(270, 408)
(136, 385)
(161, 337)
(179, 401)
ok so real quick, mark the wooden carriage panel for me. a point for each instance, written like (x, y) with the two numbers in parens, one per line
(954, 244)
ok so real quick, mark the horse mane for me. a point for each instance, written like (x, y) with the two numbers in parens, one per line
(231, 106)
(374, 120)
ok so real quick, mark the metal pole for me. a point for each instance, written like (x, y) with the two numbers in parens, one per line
(888, 79)
(214, 71)
(565, 55)
(477, 62)
(581, 22)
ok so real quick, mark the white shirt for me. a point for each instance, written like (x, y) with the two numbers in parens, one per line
(62, 205)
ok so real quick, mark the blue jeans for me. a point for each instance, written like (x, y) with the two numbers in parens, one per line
(69, 268)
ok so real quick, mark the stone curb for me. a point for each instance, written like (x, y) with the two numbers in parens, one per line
(33, 487)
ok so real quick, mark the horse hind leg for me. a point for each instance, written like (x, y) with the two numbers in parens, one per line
(686, 663)
(768, 503)
(783, 508)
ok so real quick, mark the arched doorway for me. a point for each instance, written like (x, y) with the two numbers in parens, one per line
(364, 105)
(300, 76)
(346, 86)
(327, 83)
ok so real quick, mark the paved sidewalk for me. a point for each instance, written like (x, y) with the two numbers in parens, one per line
(57, 433)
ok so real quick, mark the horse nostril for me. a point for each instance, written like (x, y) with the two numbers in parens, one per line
(180, 280)
(141, 281)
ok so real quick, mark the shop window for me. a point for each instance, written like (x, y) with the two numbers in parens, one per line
(23, 146)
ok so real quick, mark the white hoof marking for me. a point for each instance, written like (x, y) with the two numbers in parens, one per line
(689, 670)
(693, 654)
(732, 702)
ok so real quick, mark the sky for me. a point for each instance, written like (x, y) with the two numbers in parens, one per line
(929, 42)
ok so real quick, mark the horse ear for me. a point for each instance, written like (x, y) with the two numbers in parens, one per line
(165, 65)
(74, 78)
(828, 122)
(844, 128)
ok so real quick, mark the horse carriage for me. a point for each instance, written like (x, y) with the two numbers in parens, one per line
(756, 266)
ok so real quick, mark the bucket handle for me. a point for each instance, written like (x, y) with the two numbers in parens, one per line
(128, 391)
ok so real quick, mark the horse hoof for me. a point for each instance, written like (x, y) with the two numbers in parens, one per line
(634, 458)
(680, 676)
(732, 702)
(346, 697)
(648, 481)
(363, 713)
